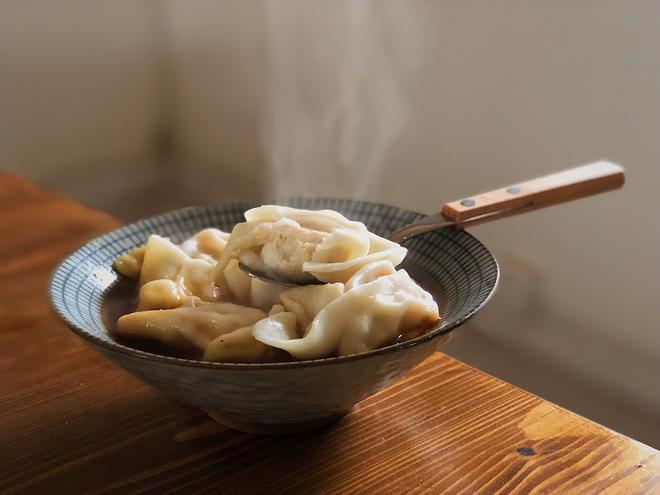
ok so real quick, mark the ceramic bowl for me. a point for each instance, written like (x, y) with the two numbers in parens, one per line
(276, 397)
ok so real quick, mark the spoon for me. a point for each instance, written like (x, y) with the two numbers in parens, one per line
(523, 197)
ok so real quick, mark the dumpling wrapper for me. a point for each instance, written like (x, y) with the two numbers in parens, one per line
(320, 220)
(283, 323)
(370, 272)
(379, 249)
(363, 318)
(307, 301)
(196, 278)
(244, 236)
(264, 295)
(130, 264)
(277, 249)
(236, 281)
(277, 308)
(207, 244)
(196, 326)
(296, 244)
(160, 294)
(162, 259)
(238, 346)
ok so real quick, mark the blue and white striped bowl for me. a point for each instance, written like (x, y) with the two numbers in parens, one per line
(275, 397)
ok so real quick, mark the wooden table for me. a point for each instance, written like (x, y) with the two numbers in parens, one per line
(72, 422)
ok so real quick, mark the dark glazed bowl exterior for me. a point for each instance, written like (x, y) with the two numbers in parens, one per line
(275, 397)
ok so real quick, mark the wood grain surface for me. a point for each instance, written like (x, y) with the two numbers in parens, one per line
(71, 422)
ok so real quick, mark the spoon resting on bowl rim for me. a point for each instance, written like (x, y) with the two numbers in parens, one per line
(523, 197)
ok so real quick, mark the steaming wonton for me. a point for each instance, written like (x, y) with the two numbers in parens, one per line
(366, 317)
(195, 296)
(296, 245)
(207, 245)
(194, 326)
(164, 260)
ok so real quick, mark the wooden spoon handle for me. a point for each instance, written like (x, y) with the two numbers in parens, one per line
(545, 191)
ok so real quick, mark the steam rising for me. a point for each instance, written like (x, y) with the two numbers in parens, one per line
(335, 92)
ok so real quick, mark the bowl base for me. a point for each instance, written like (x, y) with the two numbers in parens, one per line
(275, 428)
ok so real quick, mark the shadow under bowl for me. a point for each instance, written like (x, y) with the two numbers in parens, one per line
(277, 397)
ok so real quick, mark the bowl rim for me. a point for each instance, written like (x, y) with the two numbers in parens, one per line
(116, 347)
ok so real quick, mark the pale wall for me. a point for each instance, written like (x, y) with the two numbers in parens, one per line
(488, 93)
(80, 98)
(281, 97)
